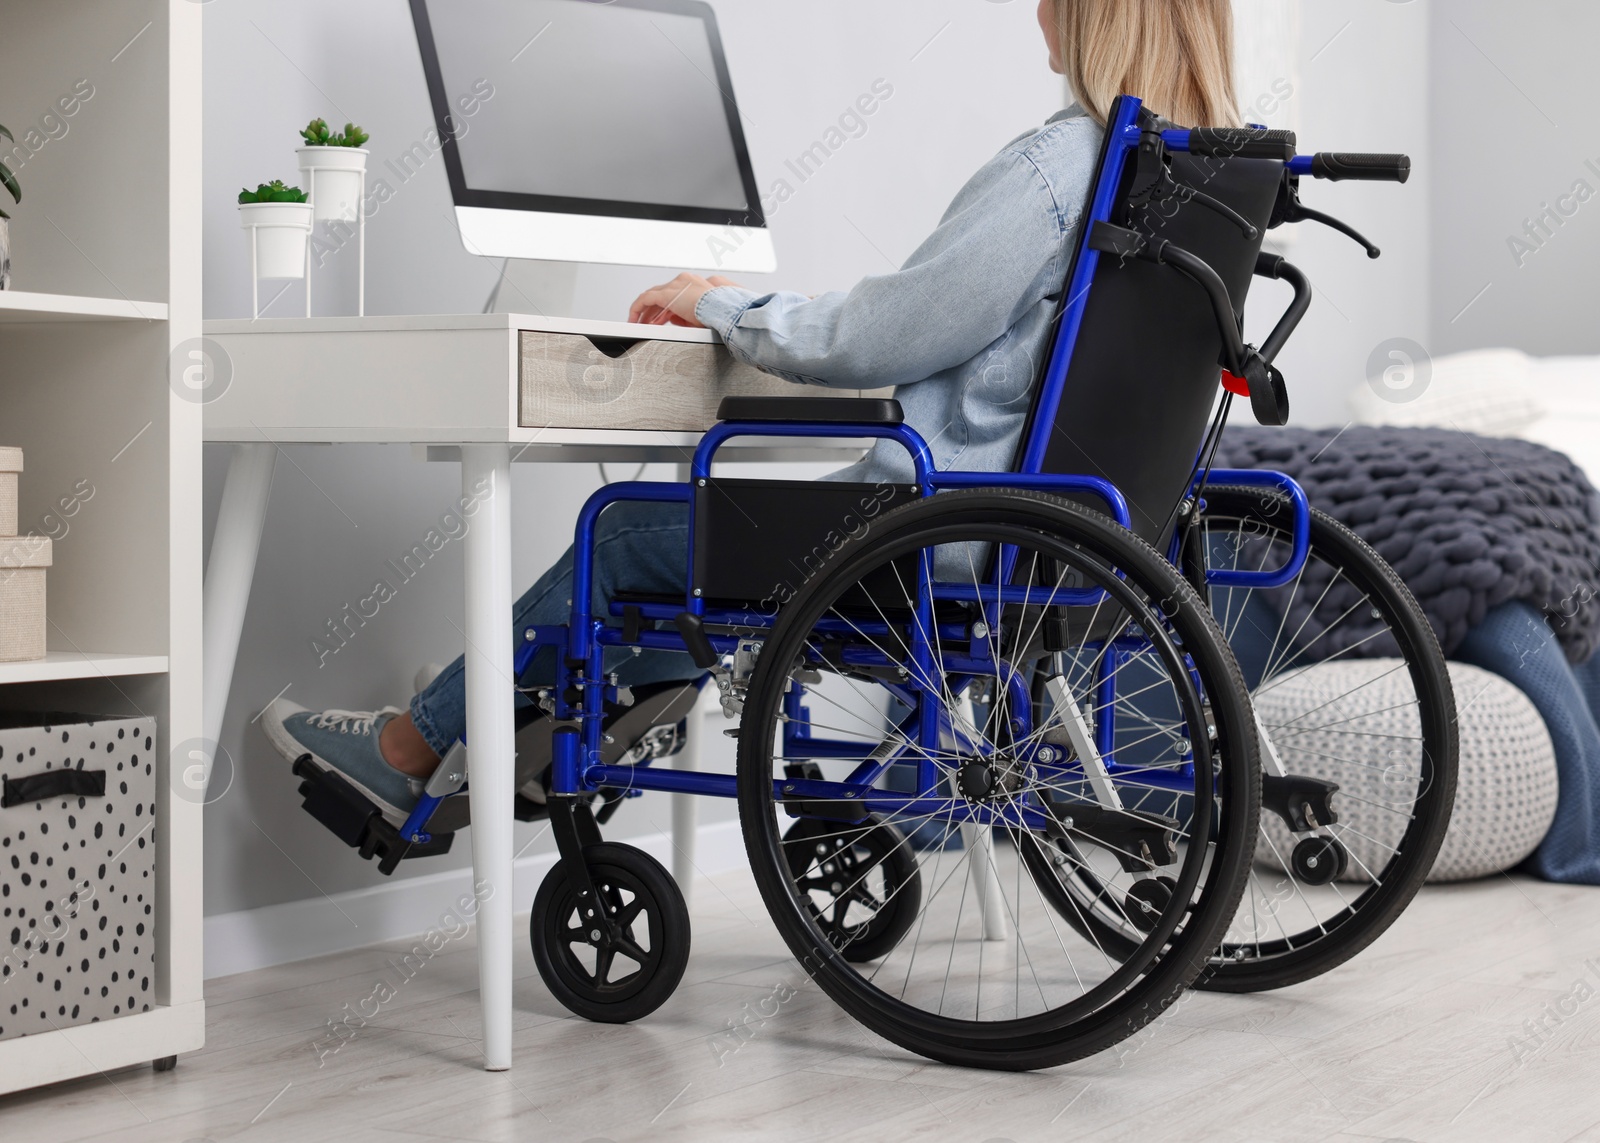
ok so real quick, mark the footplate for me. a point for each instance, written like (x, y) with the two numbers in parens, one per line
(351, 817)
(1140, 842)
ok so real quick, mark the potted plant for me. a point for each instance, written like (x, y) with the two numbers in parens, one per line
(334, 165)
(280, 218)
(9, 180)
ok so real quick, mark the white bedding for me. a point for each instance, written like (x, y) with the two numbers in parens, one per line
(1553, 401)
(1568, 388)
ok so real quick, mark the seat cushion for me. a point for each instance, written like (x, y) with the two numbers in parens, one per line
(825, 410)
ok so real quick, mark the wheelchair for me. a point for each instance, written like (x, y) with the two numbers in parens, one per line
(1001, 768)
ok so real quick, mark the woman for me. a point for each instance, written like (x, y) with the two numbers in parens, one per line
(959, 331)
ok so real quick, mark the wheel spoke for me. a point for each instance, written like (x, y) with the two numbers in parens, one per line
(1344, 710)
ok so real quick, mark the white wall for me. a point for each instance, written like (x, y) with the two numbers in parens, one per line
(1363, 87)
(1513, 128)
(967, 76)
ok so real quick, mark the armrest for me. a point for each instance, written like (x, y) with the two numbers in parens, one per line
(818, 410)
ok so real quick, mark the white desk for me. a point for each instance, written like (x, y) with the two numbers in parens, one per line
(452, 386)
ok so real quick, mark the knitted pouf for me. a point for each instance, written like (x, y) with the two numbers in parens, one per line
(1506, 790)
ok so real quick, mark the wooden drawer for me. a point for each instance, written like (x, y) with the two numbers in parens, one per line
(569, 381)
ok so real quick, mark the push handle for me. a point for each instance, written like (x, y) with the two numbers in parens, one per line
(1242, 143)
(52, 784)
(1336, 167)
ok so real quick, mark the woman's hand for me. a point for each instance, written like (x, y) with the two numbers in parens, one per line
(674, 302)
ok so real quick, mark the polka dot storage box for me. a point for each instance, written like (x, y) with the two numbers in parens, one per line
(77, 870)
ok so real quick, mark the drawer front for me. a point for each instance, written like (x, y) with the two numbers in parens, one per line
(570, 382)
(77, 873)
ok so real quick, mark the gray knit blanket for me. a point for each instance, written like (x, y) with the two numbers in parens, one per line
(1469, 522)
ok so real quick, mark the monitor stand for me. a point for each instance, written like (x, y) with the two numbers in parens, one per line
(548, 289)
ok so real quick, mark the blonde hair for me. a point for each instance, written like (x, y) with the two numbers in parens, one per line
(1176, 55)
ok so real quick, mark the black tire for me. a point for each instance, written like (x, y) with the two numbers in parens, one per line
(1218, 838)
(1257, 965)
(847, 870)
(633, 887)
(1320, 941)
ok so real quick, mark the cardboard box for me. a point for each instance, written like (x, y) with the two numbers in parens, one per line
(23, 560)
(10, 466)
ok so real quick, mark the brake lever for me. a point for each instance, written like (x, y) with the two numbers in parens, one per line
(1187, 194)
(1306, 214)
(1289, 208)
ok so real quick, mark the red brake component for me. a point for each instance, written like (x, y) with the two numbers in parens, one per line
(1238, 386)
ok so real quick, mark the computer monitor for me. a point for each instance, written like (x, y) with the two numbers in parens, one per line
(584, 131)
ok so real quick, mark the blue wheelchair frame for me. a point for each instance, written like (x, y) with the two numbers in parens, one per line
(581, 644)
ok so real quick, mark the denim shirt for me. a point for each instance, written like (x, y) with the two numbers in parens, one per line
(962, 329)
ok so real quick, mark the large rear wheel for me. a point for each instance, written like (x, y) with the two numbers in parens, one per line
(1356, 707)
(894, 690)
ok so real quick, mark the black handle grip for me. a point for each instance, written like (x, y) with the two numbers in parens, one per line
(1242, 143)
(52, 784)
(1369, 168)
(696, 640)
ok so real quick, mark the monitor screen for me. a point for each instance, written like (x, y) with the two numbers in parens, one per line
(620, 108)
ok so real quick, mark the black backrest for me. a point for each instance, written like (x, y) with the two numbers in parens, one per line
(1144, 372)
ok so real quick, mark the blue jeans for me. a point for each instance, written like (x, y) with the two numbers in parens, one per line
(638, 547)
(1515, 642)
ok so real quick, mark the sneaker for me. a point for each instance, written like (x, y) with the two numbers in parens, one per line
(345, 741)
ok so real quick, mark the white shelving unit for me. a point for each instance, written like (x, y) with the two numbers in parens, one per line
(106, 261)
(17, 306)
(60, 666)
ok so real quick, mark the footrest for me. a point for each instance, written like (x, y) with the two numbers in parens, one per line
(1141, 842)
(1304, 804)
(352, 818)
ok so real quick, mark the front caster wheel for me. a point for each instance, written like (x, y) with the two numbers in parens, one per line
(1148, 900)
(1319, 860)
(164, 1064)
(861, 882)
(620, 959)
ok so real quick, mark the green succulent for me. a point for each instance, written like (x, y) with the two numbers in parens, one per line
(7, 179)
(274, 191)
(316, 134)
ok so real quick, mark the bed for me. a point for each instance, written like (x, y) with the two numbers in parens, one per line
(1460, 422)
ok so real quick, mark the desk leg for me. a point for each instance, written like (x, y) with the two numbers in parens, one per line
(685, 811)
(684, 806)
(490, 733)
(230, 572)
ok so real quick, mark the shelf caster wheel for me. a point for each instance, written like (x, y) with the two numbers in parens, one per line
(621, 962)
(165, 1064)
(1319, 860)
(1147, 900)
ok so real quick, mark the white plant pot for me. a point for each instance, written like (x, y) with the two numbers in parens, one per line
(333, 179)
(281, 230)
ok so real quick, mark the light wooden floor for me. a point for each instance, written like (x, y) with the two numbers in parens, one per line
(1413, 1041)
